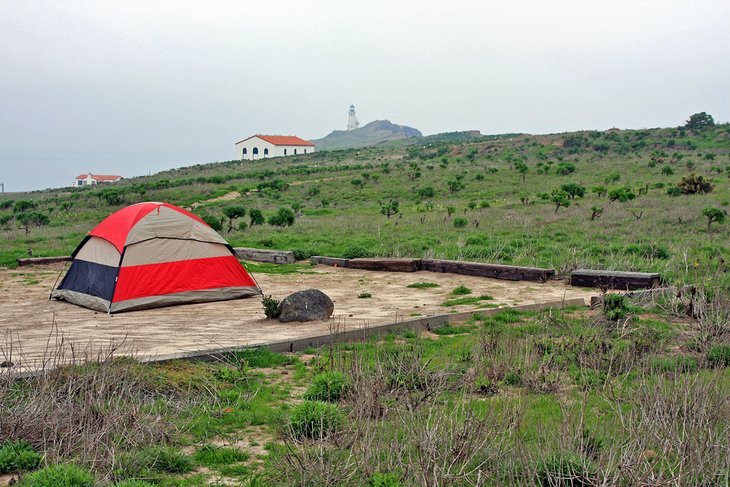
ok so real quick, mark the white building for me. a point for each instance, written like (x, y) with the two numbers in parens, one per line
(91, 179)
(260, 146)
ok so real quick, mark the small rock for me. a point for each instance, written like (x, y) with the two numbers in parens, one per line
(6, 363)
(309, 305)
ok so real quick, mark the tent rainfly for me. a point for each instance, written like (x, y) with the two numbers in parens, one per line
(149, 255)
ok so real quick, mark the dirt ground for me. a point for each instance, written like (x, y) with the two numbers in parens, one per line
(33, 328)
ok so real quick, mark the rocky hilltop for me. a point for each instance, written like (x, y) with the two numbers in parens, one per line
(371, 134)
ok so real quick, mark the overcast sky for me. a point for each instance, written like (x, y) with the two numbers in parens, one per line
(125, 87)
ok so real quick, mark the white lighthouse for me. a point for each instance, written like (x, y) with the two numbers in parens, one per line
(352, 122)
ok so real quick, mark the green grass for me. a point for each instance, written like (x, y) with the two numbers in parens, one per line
(213, 456)
(423, 285)
(466, 301)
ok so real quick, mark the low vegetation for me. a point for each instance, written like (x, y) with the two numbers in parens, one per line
(628, 394)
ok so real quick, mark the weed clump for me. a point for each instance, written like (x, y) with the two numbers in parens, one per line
(60, 475)
(210, 456)
(162, 459)
(719, 356)
(615, 306)
(328, 386)
(314, 419)
(18, 455)
(567, 469)
(461, 290)
(364, 295)
(423, 285)
(271, 307)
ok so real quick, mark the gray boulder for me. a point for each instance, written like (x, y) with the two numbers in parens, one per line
(309, 305)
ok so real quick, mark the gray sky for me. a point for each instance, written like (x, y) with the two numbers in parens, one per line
(136, 87)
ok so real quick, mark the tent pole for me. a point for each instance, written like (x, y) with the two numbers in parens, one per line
(57, 278)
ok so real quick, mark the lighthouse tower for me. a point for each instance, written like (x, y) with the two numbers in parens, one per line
(352, 122)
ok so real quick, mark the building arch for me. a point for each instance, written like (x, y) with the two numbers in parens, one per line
(266, 152)
(244, 153)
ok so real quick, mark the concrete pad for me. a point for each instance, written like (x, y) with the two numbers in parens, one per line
(33, 328)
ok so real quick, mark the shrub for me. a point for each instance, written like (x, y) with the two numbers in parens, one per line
(364, 295)
(621, 194)
(60, 475)
(328, 387)
(18, 455)
(461, 290)
(256, 217)
(574, 190)
(565, 168)
(355, 252)
(512, 378)
(719, 355)
(427, 192)
(694, 184)
(460, 222)
(213, 222)
(615, 306)
(314, 419)
(566, 469)
(284, 217)
(674, 191)
(271, 307)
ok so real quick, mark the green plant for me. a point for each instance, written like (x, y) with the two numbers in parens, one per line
(17, 456)
(699, 121)
(154, 459)
(615, 306)
(565, 168)
(256, 217)
(719, 355)
(460, 222)
(59, 475)
(423, 285)
(210, 455)
(283, 218)
(512, 378)
(328, 386)
(566, 469)
(695, 184)
(384, 480)
(713, 215)
(559, 198)
(461, 290)
(355, 252)
(390, 208)
(364, 295)
(271, 307)
(574, 190)
(314, 419)
(621, 194)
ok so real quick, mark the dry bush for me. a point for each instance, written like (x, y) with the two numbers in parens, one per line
(677, 432)
(89, 406)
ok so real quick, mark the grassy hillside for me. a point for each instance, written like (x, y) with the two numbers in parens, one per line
(486, 199)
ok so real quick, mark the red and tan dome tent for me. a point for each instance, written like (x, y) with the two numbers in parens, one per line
(149, 255)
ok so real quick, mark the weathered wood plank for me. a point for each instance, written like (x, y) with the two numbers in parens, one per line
(331, 261)
(495, 271)
(388, 265)
(261, 255)
(43, 260)
(614, 279)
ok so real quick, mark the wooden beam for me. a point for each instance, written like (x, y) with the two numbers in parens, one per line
(614, 279)
(261, 255)
(388, 265)
(43, 260)
(495, 271)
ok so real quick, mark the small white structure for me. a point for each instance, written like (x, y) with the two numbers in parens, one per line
(261, 146)
(352, 122)
(91, 179)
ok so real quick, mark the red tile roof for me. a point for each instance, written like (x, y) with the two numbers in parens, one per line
(280, 140)
(99, 177)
